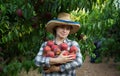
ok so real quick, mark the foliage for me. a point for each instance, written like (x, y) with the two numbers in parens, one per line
(22, 28)
(101, 23)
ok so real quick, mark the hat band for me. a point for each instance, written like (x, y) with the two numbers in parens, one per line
(66, 21)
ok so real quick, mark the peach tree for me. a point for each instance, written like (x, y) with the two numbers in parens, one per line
(100, 24)
(22, 28)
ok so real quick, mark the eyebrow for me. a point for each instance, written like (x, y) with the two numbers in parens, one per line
(65, 26)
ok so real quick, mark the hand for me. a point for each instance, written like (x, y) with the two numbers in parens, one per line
(52, 69)
(64, 59)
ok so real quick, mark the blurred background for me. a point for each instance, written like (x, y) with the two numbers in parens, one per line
(22, 30)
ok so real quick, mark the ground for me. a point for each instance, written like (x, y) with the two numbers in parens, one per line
(88, 69)
(99, 69)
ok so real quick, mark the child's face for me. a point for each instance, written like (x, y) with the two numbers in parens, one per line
(63, 31)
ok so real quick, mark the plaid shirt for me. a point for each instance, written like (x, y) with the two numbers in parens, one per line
(67, 69)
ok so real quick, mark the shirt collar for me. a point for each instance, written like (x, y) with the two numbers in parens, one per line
(65, 40)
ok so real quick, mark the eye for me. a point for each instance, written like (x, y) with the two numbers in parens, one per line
(65, 27)
(68, 28)
(62, 27)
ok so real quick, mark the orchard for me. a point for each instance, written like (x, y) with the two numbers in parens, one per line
(22, 30)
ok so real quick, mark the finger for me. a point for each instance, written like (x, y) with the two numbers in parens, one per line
(70, 55)
(63, 52)
(73, 56)
(70, 58)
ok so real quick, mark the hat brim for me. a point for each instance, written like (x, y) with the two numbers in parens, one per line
(57, 22)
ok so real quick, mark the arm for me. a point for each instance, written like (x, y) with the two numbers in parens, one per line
(68, 64)
(40, 60)
(74, 64)
(61, 59)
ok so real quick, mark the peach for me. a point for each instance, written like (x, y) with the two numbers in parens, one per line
(57, 51)
(73, 49)
(19, 12)
(50, 43)
(54, 47)
(65, 53)
(64, 46)
(50, 54)
(47, 48)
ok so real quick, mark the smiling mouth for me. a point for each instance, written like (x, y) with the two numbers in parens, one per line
(64, 34)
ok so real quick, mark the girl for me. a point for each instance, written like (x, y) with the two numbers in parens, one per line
(60, 28)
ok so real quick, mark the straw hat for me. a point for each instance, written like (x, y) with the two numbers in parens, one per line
(63, 19)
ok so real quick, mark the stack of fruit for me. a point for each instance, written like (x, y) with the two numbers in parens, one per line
(53, 50)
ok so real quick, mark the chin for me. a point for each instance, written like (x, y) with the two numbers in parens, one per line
(62, 36)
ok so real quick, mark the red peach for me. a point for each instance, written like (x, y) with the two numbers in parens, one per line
(50, 54)
(54, 47)
(73, 49)
(64, 46)
(65, 53)
(57, 51)
(47, 48)
(19, 12)
(50, 43)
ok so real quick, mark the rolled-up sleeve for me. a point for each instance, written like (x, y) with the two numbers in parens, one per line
(40, 60)
(74, 64)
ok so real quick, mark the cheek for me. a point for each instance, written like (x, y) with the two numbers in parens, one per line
(68, 31)
(57, 31)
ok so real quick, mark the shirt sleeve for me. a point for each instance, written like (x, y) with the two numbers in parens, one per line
(74, 64)
(40, 60)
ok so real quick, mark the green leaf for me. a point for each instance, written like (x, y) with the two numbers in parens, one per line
(27, 65)
(13, 68)
(16, 32)
(10, 36)
(3, 9)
